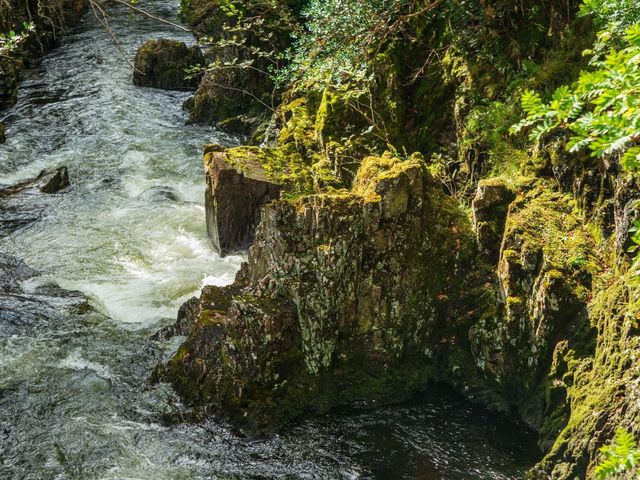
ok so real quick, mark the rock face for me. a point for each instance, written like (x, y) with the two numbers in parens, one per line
(237, 188)
(490, 207)
(539, 323)
(164, 63)
(347, 298)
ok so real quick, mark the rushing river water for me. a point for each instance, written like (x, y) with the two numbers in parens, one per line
(129, 234)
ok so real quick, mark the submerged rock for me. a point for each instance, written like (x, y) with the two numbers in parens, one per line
(237, 188)
(159, 194)
(165, 63)
(347, 298)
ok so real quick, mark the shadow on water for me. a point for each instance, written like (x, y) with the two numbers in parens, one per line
(127, 243)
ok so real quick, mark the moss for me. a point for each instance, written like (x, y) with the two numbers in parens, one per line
(601, 390)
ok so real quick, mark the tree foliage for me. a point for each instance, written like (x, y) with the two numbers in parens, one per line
(338, 37)
(601, 111)
(10, 41)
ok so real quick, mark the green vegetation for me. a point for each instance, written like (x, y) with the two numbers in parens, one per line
(11, 41)
(622, 456)
(601, 111)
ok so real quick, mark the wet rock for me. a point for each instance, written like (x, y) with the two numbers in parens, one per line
(164, 63)
(46, 182)
(12, 271)
(347, 298)
(159, 194)
(26, 309)
(237, 189)
(3, 136)
(53, 182)
(490, 207)
(23, 203)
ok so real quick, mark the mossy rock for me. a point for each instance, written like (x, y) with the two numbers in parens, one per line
(345, 300)
(166, 64)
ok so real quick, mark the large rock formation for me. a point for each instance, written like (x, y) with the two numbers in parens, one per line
(539, 329)
(347, 298)
(236, 191)
(166, 64)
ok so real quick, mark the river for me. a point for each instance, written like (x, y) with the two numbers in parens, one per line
(129, 234)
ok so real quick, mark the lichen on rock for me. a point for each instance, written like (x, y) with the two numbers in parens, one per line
(545, 272)
(347, 298)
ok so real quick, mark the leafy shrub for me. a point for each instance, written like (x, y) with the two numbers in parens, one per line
(338, 37)
(11, 41)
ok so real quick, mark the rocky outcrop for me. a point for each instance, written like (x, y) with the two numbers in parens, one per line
(540, 321)
(237, 188)
(50, 19)
(347, 298)
(166, 64)
(490, 207)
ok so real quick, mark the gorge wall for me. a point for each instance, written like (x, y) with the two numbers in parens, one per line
(373, 273)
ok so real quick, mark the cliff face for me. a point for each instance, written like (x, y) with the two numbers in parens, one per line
(347, 297)
(366, 281)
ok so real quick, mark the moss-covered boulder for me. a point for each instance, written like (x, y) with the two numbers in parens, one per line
(347, 298)
(237, 188)
(165, 64)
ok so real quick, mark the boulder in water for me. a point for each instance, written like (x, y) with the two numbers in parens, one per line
(53, 182)
(47, 182)
(164, 63)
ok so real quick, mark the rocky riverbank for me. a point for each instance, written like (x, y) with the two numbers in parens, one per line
(49, 20)
(498, 270)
